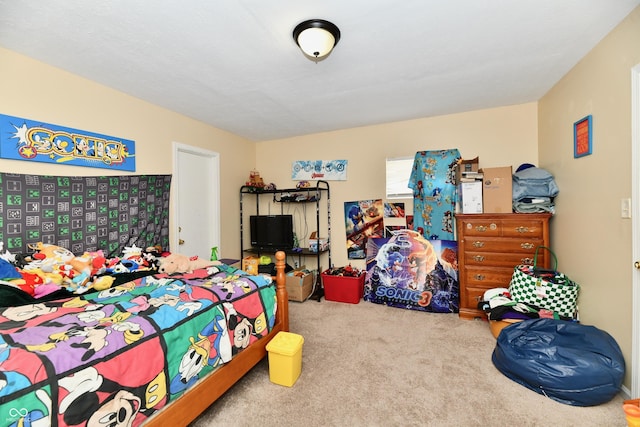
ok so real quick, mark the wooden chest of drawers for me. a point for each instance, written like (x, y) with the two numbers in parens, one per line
(490, 246)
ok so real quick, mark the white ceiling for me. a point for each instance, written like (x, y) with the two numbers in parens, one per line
(234, 64)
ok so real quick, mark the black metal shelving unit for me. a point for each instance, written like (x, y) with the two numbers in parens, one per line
(308, 195)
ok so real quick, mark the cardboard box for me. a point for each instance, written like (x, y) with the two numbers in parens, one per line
(285, 358)
(470, 197)
(317, 244)
(343, 288)
(299, 284)
(466, 166)
(250, 264)
(497, 194)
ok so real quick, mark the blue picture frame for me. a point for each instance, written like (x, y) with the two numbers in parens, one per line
(583, 137)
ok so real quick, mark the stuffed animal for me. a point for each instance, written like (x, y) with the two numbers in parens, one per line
(51, 253)
(178, 263)
(82, 264)
(103, 282)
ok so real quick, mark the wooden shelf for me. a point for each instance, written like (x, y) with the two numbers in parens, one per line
(303, 252)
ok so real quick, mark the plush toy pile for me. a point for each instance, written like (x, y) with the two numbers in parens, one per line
(347, 271)
(51, 268)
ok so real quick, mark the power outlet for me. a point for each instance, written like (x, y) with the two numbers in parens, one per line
(625, 208)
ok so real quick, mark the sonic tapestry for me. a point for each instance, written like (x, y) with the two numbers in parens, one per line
(409, 271)
(434, 193)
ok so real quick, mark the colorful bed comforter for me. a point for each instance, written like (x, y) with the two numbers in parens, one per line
(117, 356)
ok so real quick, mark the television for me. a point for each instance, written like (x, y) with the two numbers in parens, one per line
(271, 232)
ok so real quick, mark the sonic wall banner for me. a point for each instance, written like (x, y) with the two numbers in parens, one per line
(409, 271)
(363, 219)
(328, 170)
(22, 139)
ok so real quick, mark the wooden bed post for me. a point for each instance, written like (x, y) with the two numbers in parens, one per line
(281, 290)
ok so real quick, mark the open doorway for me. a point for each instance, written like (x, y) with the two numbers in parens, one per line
(196, 195)
(635, 208)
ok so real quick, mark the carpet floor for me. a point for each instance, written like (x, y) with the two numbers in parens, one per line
(372, 365)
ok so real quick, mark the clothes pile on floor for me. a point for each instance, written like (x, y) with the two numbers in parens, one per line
(498, 305)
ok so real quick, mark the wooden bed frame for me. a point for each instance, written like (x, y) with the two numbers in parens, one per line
(198, 398)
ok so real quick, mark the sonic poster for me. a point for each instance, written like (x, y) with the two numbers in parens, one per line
(409, 271)
(22, 139)
(363, 219)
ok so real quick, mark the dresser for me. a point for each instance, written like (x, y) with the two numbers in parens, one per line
(490, 246)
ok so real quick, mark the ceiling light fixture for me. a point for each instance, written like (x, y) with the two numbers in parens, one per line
(316, 38)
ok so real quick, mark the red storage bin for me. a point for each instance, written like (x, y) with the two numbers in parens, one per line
(343, 288)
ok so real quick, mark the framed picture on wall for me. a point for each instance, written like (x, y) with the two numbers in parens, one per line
(583, 137)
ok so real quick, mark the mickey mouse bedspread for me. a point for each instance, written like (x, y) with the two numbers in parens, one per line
(117, 356)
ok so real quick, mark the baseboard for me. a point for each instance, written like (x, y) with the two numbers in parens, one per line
(625, 393)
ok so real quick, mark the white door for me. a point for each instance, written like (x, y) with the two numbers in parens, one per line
(197, 201)
(635, 225)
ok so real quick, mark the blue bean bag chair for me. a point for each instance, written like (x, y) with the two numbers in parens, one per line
(566, 361)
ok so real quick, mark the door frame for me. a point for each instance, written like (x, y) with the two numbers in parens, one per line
(213, 207)
(635, 226)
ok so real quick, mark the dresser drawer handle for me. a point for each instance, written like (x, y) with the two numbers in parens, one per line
(527, 245)
(522, 229)
(478, 244)
(528, 261)
(479, 276)
(481, 228)
(478, 258)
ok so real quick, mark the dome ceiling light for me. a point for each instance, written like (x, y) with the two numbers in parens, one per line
(316, 38)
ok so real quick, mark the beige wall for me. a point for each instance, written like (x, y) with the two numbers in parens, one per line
(36, 91)
(592, 241)
(506, 136)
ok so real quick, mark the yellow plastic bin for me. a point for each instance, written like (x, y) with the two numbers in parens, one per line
(285, 358)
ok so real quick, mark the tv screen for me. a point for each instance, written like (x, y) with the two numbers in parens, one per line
(271, 231)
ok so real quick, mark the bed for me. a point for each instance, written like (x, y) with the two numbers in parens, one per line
(155, 349)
